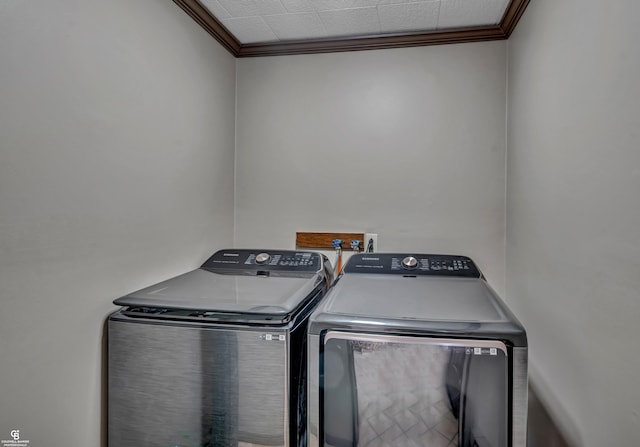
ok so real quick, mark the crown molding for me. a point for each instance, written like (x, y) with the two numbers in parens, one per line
(203, 17)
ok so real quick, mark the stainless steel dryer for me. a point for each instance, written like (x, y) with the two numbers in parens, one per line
(217, 356)
(416, 350)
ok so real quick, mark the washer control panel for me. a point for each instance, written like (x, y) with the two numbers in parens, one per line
(409, 263)
(242, 260)
(413, 264)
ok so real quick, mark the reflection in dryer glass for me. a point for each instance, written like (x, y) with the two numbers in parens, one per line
(383, 393)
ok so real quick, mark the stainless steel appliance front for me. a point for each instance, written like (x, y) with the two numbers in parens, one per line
(183, 385)
(413, 391)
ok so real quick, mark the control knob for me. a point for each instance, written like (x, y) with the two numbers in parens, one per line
(409, 262)
(262, 258)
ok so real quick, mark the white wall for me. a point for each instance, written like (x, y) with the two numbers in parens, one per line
(406, 143)
(573, 207)
(116, 171)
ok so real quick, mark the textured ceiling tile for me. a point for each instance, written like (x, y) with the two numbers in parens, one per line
(330, 5)
(216, 9)
(250, 29)
(395, 2)
(297, 5)
(274, 20)
(296, 26)
(471, 12)
(249, 8)
(421, 16)
(349, 22)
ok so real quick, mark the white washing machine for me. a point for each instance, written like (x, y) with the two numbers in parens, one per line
(416, 350)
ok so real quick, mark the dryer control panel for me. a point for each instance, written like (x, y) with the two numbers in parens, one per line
(243, 260)
(413, 264)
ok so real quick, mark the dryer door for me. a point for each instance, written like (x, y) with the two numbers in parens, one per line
(413, 391)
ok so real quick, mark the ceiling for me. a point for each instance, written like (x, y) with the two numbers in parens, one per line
(275, 27)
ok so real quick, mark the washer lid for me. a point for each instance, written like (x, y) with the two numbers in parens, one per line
(214, 292)
(435, 295)
(232, 281)
(391, 297)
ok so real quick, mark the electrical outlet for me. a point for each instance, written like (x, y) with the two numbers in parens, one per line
(368, 238)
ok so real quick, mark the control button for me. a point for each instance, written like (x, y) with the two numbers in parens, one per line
(409, 262)
(261, 258)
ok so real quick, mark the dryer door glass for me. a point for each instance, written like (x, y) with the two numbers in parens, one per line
(413, 391)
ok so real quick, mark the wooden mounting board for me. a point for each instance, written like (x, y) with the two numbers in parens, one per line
(325, 240)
